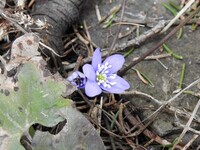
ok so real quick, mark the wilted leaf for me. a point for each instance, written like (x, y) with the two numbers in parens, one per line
(36, 101)
(77, 134)
(26, 46)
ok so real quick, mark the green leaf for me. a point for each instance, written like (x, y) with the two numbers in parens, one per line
(37, 101)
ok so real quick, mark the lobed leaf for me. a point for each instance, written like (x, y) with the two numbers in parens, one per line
(36, 101)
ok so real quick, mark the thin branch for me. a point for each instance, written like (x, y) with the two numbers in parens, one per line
(134, 92)
(136, 41)
(189, 129)
(190, 142)
(123, 71)
(178, 15)
(186, 128)
(160, 103)
(119, 26)
(172, 99)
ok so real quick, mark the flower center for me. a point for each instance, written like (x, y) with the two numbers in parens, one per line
(103, 76)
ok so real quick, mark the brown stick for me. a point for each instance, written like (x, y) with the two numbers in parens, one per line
(182, 23)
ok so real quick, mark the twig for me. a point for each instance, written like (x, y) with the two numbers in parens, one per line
(198, 148)
(187, 125)
(85, 98)
(159, 103)
(128, 23)
(96, 113)
(161, 63)
(111, 138)
(114, 10)
(123, 71)
(121, 107)
(127, 33)
(98, 12)
(31, 3)
(173, 98)
(149, 142)
(119, 27)
(80, 37)
(134, 92)
(190, 142)
(141, 77)
(141, 128)
(108, 131)
(178, 15)
(90, 52)
(78, 63)
(148, 21)
(138, 40)
(71, 42)
(164, 104)
(147, 132)
(154, 57)
(100, 113)
(189, 128)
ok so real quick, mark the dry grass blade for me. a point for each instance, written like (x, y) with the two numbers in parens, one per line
(178, 15)
(147, 132)
(190, 142)
(173, 98)
(186, 128)
(136, 41)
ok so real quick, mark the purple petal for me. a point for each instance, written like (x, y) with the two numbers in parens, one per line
(96, 59)
(78, 79)
(72, 76)
(116, 61)
(80, 74)
(120, 86)
(89, 72)
(92, 88)
(75, 75)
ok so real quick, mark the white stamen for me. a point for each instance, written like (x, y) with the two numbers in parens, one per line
(113, 76)
(103, 74)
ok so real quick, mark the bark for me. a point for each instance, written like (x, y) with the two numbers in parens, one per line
(60, 14)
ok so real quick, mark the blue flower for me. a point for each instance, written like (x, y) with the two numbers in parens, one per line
(102, 76)
(78, 79)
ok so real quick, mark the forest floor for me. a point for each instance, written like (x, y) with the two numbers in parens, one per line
(160, 110)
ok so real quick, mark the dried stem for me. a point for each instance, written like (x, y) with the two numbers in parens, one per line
(186, 128)
(173, 98)
(190, 142)
(123, 71)
(178, 15)
(119, 27)
(136, 41)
